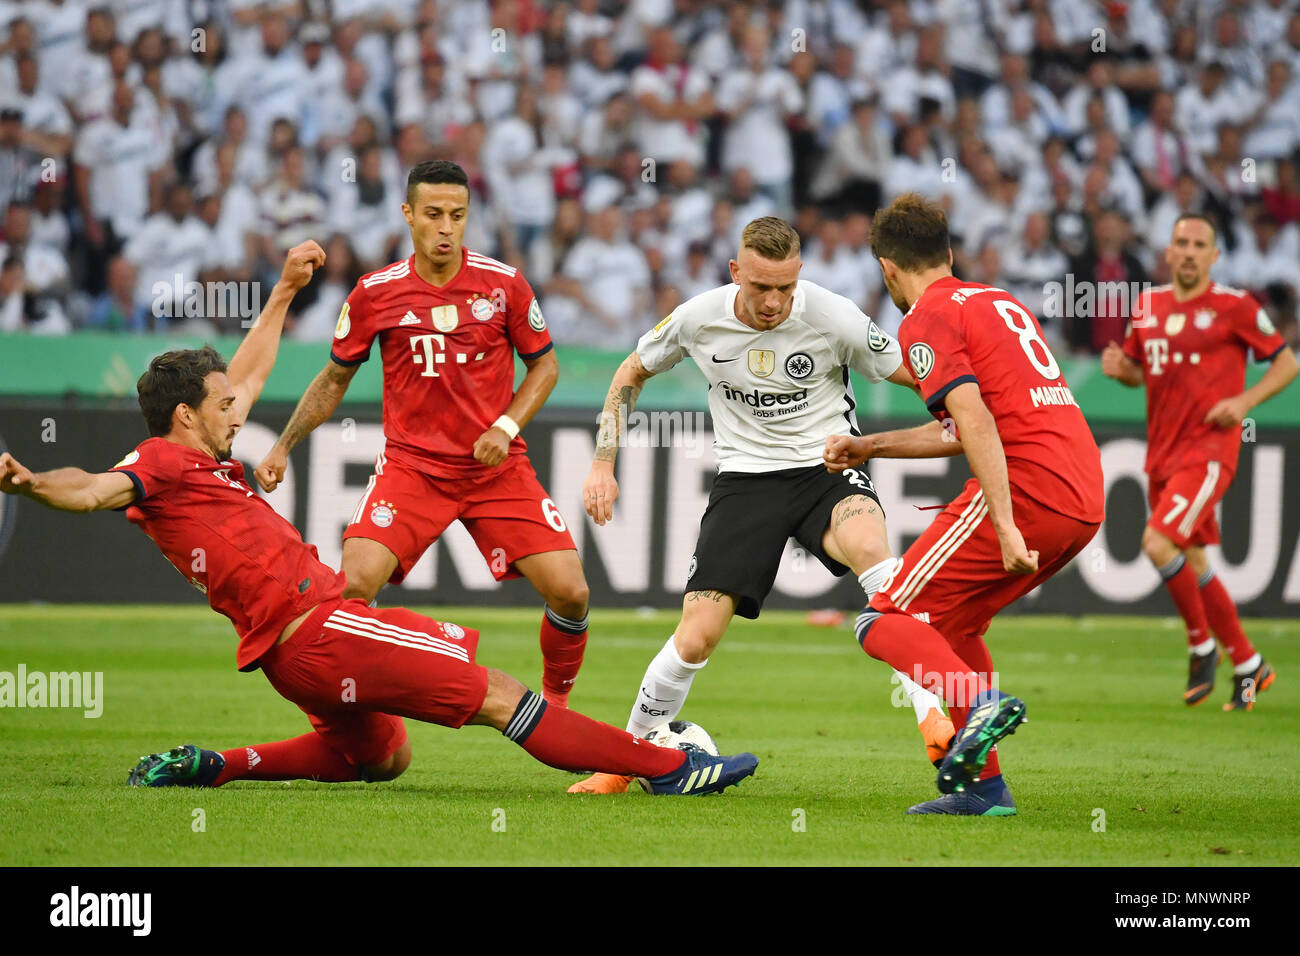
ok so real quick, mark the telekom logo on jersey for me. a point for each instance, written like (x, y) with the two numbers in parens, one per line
(430, 351)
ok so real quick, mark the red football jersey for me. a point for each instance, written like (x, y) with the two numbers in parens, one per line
(226, 541)
(449, 369)
(1193, 354)
(968, 332)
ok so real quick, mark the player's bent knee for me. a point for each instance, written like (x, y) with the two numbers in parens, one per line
(389, 769)
(570, 598)
(1157, 547)
(695, 647)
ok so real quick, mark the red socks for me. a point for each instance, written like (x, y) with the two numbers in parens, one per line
(567, 740)
(301, 758)
(563, 642)
(907, 645)
(1180, 581)
(1221, 613)
(975, 653)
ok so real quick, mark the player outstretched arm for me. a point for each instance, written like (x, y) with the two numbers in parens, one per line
(1120, 367)
(493, 445)
(988, 463)
(67, 489)
(1229, 412)
(931, 440)
(253, 360)
(600, 490)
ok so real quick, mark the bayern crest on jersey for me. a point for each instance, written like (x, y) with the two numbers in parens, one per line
(454, 631)
(1204, 319)
(382, 514)
(481, 309)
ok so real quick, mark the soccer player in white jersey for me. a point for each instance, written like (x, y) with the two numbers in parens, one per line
(776, 352)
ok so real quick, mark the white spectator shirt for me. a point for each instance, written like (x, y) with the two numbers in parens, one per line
(776, 395)
(757, 138)
(669, 140)
(841, 274)
(612, 273)
(1200, 115)
(238, 217)
(120, 159)
(519, 173)
(60, 30)
(168, 254)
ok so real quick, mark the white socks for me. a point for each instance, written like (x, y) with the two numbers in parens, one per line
(876, 575)
(921, 699)
(663, 690)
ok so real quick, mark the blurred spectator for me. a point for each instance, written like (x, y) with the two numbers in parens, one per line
(20, 165)
(852, 171)
(119, 309)
(1199, 110)
(608, 279)
(317, 322)
(22, 309)
(45, 269)
(1159, 150)
(292, 211)
(831, 264)
(369, 213)
(1106, 279)
(1032, 261)
(673, 99)
(1274, 124)
(1282, 200)
(169, 251)
(758, 100)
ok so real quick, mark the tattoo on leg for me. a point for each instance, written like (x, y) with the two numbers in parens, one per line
(714, 596)
(851, 508)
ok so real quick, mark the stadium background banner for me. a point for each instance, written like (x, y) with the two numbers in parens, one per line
(70, 402)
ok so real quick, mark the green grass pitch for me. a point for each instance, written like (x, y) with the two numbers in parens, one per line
(1108, 733)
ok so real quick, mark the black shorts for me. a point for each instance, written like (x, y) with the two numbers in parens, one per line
(751, 516)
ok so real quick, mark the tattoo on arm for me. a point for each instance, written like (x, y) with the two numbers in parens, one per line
(317, 403)
(612, 434)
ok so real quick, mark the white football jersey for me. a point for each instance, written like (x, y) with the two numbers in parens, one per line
(775, 396)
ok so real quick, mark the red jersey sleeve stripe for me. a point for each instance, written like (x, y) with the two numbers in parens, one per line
(1272, 355)
(347, 362)
(529, 356)
(935, 400)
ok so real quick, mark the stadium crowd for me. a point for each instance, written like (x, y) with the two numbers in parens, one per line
(616, 149)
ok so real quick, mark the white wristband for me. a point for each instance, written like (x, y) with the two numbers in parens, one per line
(507, 425)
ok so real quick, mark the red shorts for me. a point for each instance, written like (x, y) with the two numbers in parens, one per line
(356, 671)
(952, 577)
(1182, 505)
(507, 512)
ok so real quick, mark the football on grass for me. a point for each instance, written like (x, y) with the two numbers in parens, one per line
(683, 735)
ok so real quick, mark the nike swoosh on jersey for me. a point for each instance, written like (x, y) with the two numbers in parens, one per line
(720, 361)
